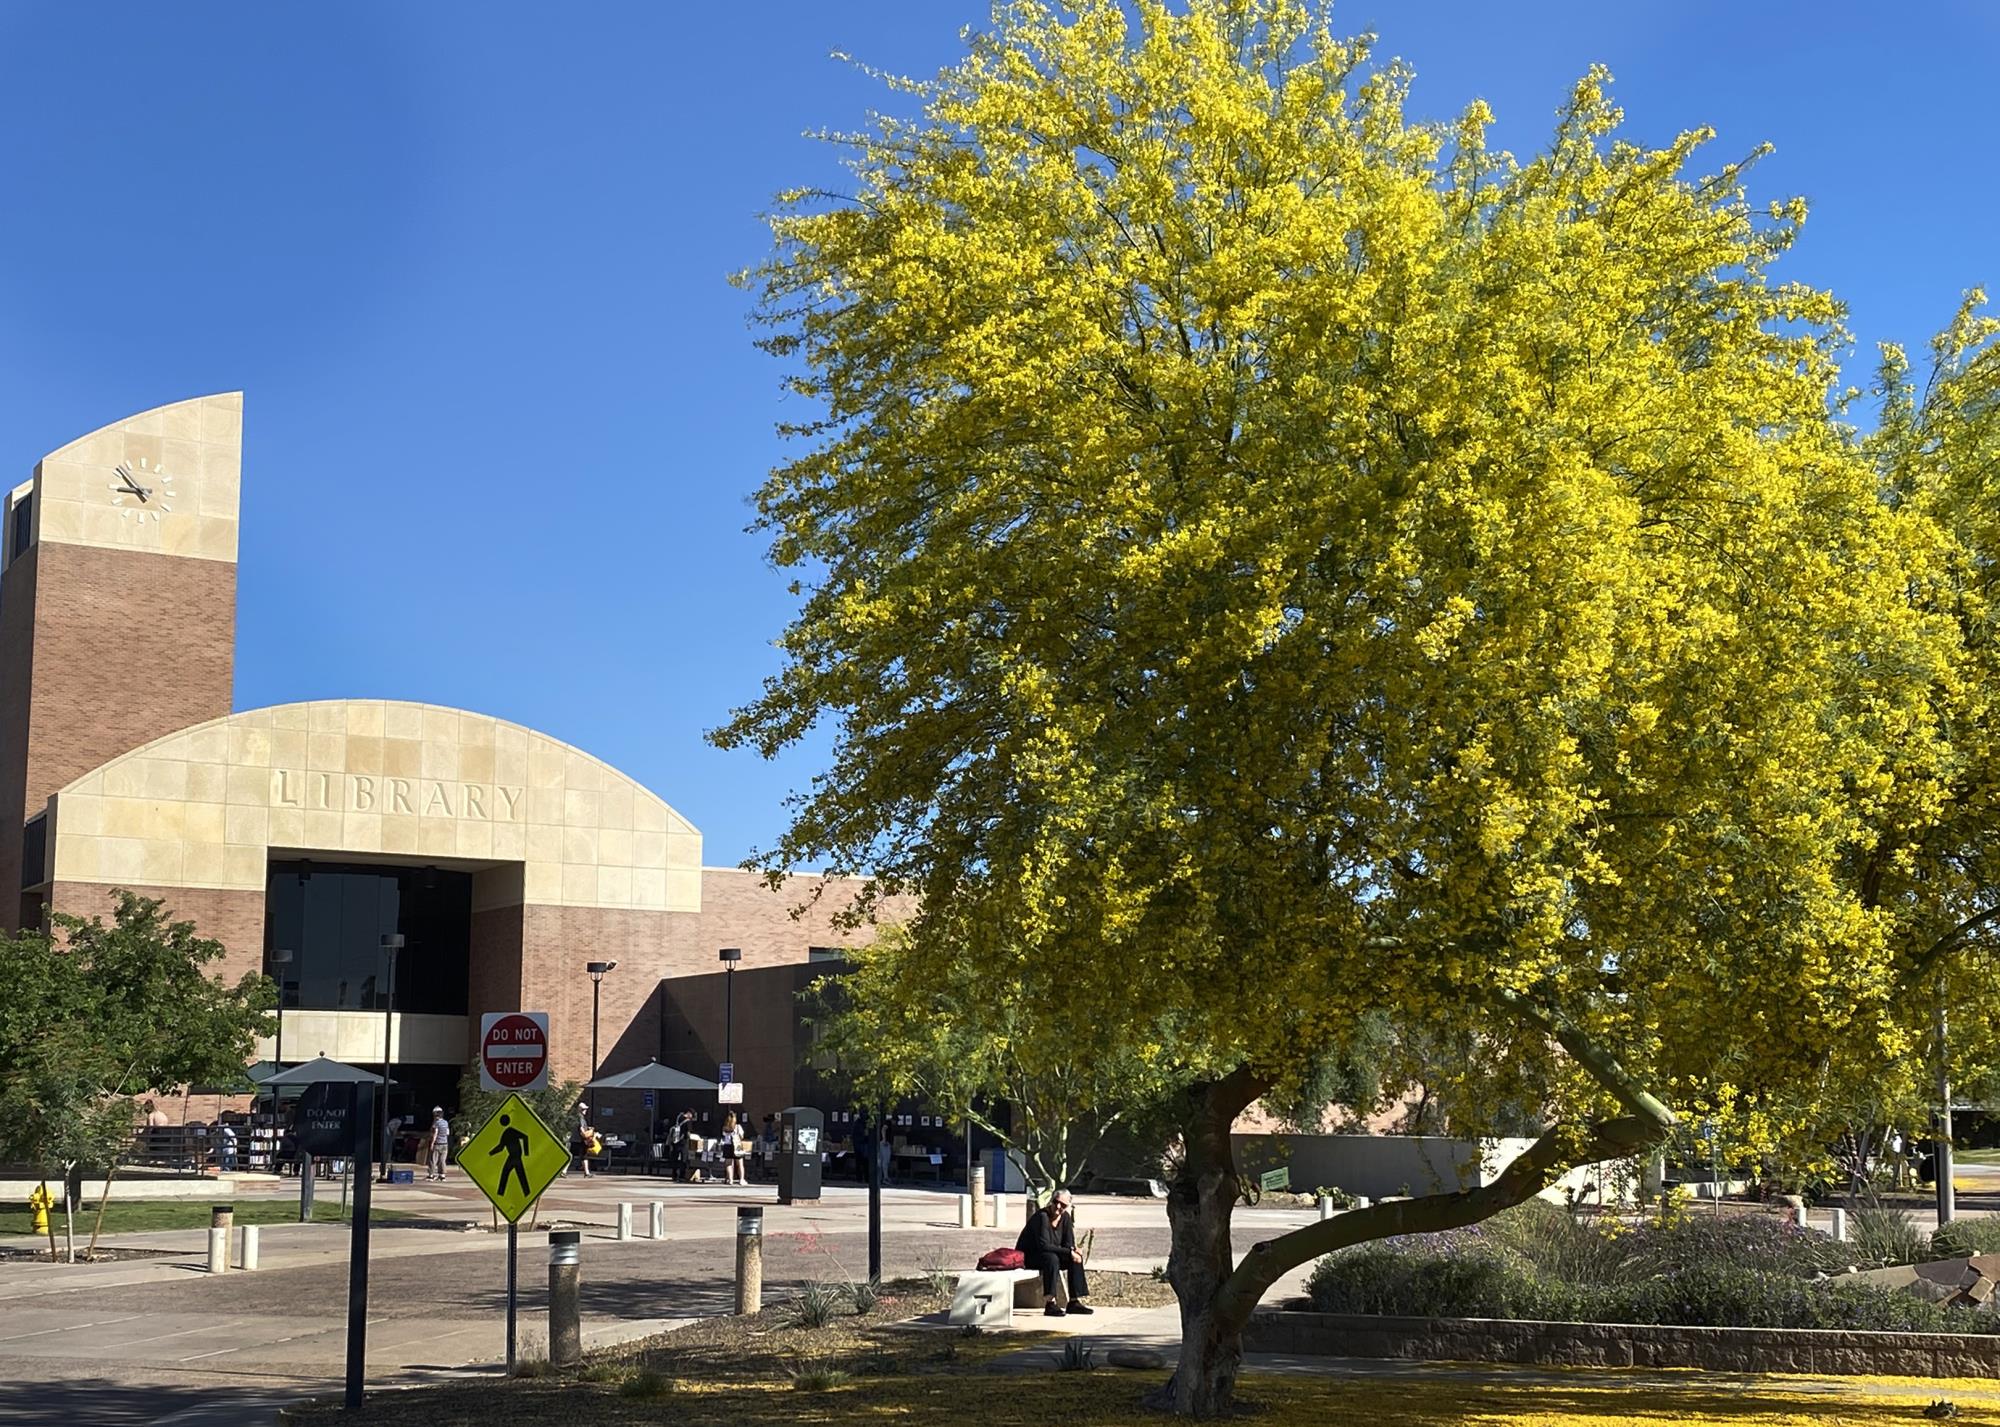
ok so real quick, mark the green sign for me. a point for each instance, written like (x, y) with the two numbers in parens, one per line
(1275, 1179)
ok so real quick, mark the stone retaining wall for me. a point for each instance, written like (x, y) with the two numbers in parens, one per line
(1620, 1345)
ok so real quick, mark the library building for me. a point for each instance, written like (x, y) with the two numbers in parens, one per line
(397, 869)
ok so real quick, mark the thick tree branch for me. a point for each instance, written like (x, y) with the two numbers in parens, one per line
(1935, 952)
(1645, 1124)
(1537, 1168)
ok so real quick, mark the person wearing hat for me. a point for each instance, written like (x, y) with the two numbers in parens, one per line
(440, 1142)
(1048, 1245)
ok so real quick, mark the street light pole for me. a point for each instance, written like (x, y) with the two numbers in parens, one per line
(280, 958)
(392, 942)
(597, 969)
(729, 956)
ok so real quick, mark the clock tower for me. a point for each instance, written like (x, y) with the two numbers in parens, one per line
(117, 611)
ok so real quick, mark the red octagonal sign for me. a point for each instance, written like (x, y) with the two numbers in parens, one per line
(514, 1050)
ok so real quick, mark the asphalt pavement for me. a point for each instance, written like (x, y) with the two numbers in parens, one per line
(163, 1341)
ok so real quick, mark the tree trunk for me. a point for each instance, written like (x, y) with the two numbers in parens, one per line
(97, 1226)
(1199, 1204)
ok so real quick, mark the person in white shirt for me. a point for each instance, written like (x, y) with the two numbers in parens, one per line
(440, 1142)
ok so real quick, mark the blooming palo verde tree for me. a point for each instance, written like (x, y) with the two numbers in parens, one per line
(1265, 562)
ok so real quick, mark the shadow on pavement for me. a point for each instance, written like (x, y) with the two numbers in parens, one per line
(114, 1404)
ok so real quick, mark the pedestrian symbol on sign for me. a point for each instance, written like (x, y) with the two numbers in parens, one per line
(513, 1144)
(513, 1157)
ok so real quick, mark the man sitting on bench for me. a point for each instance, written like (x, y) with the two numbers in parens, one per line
(1048, 1245)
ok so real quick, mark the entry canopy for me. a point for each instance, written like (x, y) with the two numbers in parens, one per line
(651, 1076)
(321, 1071)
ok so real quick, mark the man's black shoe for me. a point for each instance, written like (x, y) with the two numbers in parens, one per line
(1054, 1310)
(1076, 1307)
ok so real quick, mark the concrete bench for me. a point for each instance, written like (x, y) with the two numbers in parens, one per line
(989, 1297)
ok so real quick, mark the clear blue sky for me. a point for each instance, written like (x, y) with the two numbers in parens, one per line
(469, 264)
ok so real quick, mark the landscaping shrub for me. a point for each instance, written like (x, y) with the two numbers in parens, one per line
(1881, 1235)
(815, 1306)
(647, 1386)
(1962, 1238)
(1746, 1273)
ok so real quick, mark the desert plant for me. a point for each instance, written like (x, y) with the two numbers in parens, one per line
(938, 1274)
(1076, 1356)
(1879, 1234)
(532, 1367)
(1160, 1273)
(647, 1386)
(864, 1294)
(603, 1372)
(814, 1306)
(816, 1377)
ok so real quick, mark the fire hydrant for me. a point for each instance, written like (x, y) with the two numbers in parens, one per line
(41, 1201)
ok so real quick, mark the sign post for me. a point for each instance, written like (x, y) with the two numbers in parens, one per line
(512, 1158)
(363, 1117)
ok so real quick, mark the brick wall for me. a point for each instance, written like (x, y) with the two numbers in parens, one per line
(101, 651)
(129, 647)
(17, 667)
(236, 919)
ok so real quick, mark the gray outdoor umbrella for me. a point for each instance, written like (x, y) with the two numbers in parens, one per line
(651, 1076)
(321, 1071)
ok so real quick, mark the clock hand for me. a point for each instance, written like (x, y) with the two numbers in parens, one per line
(133, 486)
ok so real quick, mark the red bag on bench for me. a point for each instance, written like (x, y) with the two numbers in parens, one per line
(998, 1259)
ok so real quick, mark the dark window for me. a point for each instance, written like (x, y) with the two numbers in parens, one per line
(826, 953)
(24, 524)
(35, 851)
(332, 918)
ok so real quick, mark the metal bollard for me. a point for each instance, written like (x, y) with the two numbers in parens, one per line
(249, 1260)
(659, 1217)
(1840, 1226)
(565, 1287)
(978, 1187)
(624, 1222)
(749, 1259)
(1326, 1206)
(1803, 1224)
(222, 1216)
(218, 1251)
(1361, 1201)
(965, 1203)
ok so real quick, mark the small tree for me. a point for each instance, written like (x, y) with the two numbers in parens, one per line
(96, 1015)
(913, 1021)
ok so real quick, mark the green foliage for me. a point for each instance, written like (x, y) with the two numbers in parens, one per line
(1962, 1238)
(1076, 1356)
(901, 1025)
(1486, 1281)
(814, 1306)
(646, 1386)
(96, 1014)
(1881, 1234)
(864, 1294)
(814, 1377)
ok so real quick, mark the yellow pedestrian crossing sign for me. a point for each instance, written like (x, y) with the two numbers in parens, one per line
(513, 1158)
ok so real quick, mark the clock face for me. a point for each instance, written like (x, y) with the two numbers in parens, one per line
(143, 491)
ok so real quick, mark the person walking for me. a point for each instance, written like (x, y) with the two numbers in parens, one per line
(1048, 1245)
(585, 1138)
(732, 1151)
(440, 1143)
(683, 1146)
